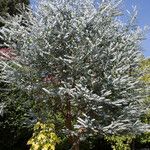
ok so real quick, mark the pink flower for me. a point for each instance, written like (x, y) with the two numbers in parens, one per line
(6, 54)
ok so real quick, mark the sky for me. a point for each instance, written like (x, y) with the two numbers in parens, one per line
(143, 18)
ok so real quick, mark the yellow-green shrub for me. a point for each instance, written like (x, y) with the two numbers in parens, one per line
(44, 137)
(119, 142)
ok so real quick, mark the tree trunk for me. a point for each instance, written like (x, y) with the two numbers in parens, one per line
(75, 146)
(133, 145)
(74, 141)
(68, 119)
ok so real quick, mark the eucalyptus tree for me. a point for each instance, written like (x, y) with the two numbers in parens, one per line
(78, 62)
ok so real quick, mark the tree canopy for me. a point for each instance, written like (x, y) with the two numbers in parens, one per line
(75, 61)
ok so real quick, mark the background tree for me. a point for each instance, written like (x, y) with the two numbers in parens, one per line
(75, 61)
(145, 68)
(14, 119)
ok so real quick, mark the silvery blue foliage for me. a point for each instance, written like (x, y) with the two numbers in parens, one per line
(72, 51)
(2, 105)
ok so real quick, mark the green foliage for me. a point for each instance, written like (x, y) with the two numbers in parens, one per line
(15, 118)
(44, 137)
(120, 142)
(145, 68)
(145, 78)
(145, 138)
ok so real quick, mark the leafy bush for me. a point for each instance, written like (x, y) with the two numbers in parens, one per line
(120, 142)
(44, 137)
